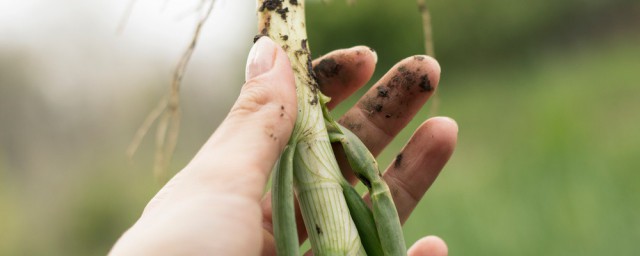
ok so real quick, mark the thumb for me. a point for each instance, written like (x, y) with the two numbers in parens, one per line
(244, 148)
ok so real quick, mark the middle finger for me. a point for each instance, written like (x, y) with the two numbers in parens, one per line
(389, 106)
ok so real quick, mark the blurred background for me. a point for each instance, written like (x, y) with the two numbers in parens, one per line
(546, 95)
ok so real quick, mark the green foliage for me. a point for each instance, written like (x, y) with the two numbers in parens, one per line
(545, 163)
(546, 97)
(467, 33)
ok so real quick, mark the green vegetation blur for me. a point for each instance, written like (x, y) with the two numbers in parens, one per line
(546, 95)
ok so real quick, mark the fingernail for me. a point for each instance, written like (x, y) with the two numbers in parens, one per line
(261, 58)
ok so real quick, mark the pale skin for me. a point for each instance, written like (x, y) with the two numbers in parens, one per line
(216, 204)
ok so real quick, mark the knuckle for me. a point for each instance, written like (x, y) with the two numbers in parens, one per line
(252, 99)
(402, 192)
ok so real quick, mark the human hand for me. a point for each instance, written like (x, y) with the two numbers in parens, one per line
(214, 205)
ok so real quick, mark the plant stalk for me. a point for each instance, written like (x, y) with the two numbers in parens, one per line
(316, 175)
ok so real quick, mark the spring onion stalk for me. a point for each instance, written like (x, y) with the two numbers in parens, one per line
(329, 205)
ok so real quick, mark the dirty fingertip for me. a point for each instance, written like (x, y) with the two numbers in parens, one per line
(432, 66)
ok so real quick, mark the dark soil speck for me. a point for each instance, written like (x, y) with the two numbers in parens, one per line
(383, 91)
(256, 37)
(378, 107)
(270, 5)
(425, 85)
(283, 12)
(327, 68)
(398, 162)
